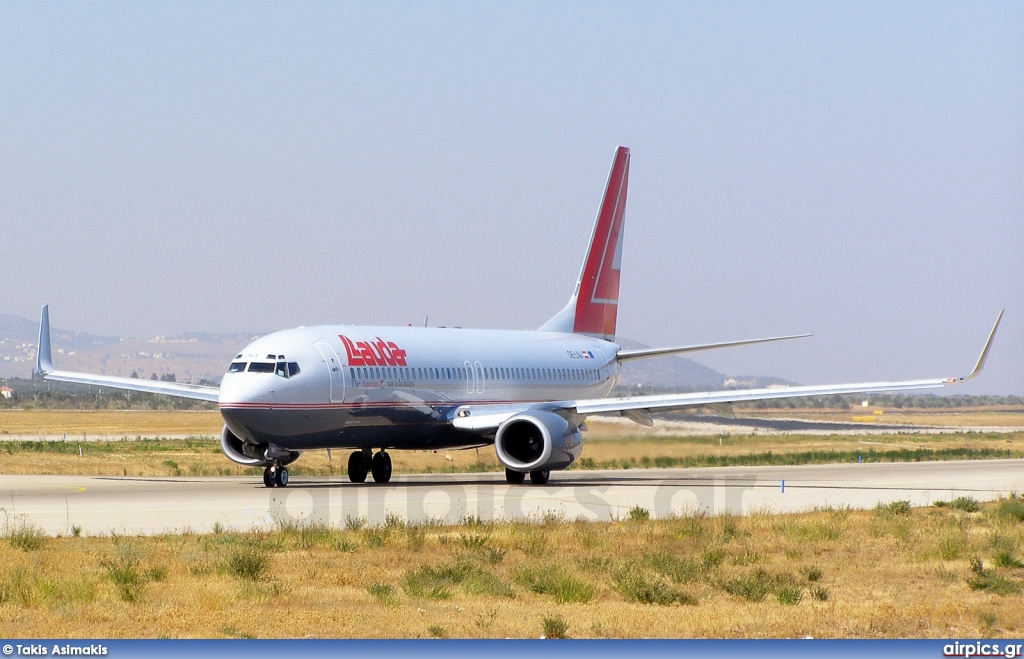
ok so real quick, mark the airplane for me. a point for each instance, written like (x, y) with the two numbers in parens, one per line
(528, 393)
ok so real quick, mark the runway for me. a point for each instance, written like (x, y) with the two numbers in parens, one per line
(102, 505)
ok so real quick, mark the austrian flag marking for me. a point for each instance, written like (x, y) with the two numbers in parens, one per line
(372, 353)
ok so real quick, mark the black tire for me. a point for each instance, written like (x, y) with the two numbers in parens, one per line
(268, 477)
(514, 477)
(381, 467)
(540, 477)
(281, 477)
(357, 467)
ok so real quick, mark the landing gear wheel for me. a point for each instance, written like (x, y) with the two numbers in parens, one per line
(540, 477)
(381, 467)
(357, 467)
(281, 477)
(514, 477)
(268, 477)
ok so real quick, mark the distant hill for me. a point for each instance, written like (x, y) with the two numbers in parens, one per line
(203, 356)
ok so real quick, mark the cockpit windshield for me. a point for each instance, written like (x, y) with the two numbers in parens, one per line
(282, 369)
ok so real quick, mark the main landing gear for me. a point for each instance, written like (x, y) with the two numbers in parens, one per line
(275, 476)
(539, 477)
(360, 464)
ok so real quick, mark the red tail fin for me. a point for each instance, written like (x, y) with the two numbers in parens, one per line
(594, 305)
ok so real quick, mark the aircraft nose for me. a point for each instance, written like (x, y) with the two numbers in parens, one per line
(238, 389)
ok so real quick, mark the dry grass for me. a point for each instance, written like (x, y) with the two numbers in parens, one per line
(201, 456)
(831, 573)
(606, 445)
(117, 423)
(994, 416)
(110, 423)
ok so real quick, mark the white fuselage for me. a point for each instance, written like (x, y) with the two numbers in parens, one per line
(396, 386)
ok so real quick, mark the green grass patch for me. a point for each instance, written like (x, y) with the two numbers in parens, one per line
(556, 581)
(250, 560)
(678, 569)
(894, 509)
(769, 458)
(25, 536)
(555, 627)
(125, 571)
(638, 514)
(438, 582)
(1011, 509)
(384, 594)
(755, 586)
(637, 583)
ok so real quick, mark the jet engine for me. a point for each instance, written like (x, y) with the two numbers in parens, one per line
(535, 441)
(252, 455)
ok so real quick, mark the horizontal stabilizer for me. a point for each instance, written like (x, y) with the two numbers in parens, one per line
(626, 355)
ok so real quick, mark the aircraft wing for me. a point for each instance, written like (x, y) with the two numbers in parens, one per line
(44, 365)
(637, 408)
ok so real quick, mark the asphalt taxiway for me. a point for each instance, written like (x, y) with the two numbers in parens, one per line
(101, 505)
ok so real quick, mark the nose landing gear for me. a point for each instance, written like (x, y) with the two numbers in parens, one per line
(360, 464)
(275, 476)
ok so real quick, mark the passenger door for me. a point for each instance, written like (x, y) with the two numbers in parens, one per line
(335, 371)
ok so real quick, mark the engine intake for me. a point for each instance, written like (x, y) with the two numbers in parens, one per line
(253, 455)
(534, 441)
(241, 452)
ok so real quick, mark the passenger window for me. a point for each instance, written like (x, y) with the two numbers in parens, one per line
(236, 367)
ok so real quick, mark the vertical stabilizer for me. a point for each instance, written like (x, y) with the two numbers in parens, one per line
(594, 304)
(43, 362)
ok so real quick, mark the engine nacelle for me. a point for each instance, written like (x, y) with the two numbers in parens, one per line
(241, 452)
(253, 455)
(535, 441)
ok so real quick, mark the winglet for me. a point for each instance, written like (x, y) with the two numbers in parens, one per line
(43, 362)
(984, 352)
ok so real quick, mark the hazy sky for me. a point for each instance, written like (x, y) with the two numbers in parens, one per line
(854, 170)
